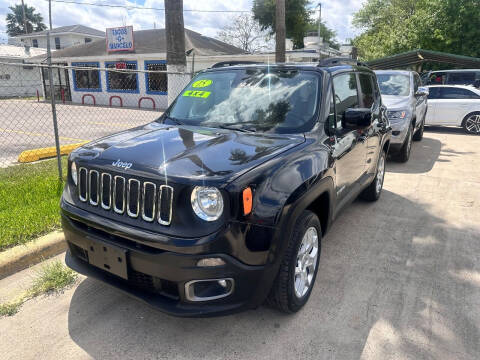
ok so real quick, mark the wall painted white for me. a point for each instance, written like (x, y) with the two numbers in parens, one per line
(66, 40)
(19, 81)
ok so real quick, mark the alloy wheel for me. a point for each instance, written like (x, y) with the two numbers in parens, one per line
(472, 125)
(306, 262)
(380, 174)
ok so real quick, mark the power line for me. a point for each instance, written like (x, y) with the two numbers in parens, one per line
(134, 7)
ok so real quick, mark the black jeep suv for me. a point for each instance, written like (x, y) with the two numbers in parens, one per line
(222, 202)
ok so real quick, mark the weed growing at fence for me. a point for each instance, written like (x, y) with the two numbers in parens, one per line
(29, 201)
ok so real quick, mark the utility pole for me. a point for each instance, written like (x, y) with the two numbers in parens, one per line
(52, 93)
(176, 58)
(24, 18)
(319, 25)
(280, 31)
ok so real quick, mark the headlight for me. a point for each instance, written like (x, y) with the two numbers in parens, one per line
(396, 116)
(207, 202)
(73, 172)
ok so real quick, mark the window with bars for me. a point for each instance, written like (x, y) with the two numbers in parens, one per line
(119, 80)
(86, 80)
(156, 83)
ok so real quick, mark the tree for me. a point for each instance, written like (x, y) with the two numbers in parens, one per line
(245, 33)
(297, 18)
(15, 24)
(394, 26)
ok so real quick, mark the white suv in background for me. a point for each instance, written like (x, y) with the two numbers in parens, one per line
(406, 102)
(454, 105)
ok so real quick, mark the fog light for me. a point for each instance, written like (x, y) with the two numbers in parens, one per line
(205, 290)
(208, 262)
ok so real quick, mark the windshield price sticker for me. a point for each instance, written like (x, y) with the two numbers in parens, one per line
(202, 83)
(197, 93)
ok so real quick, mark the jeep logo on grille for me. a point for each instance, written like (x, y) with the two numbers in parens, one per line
(121, 164)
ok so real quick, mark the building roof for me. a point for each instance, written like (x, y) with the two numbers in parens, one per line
(421, 56)
(19, 52)
(152, 41)
(79, 29)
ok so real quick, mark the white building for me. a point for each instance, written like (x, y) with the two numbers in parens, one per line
(16, 77)
(61, 37)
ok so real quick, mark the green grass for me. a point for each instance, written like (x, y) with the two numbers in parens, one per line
(52, 278)
(29, 201)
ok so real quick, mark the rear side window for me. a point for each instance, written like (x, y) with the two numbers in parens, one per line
(346, 96)
(461, 78)
(366, 90)
(457, 93)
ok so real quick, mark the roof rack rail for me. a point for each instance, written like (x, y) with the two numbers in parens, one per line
(232, 63)
(340, 61)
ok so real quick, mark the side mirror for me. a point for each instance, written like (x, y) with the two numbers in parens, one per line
(359, 118)
(477, 84)
(422, 91)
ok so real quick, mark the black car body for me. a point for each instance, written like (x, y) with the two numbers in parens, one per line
(129, 216)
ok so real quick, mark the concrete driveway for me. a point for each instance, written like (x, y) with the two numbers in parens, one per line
(399, 279)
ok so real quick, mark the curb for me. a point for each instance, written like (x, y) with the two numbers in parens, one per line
(22, 256)
(48, 152)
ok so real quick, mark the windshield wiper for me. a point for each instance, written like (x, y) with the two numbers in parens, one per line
(176, 121)
(235, 128)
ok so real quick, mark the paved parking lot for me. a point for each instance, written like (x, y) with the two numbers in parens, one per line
(399, 279)
(27, 124)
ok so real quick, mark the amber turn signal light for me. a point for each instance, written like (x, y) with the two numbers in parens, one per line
(247, 201)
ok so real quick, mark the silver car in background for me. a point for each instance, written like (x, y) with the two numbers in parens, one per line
(406, 102)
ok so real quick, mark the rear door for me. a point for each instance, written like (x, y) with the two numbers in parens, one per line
(370, 98)
(349, 150)
(454, 103)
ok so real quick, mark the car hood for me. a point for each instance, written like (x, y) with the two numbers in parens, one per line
(396, 102)
(185, 152)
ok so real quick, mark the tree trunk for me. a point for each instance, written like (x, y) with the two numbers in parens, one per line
(176, 58)
(280, 31)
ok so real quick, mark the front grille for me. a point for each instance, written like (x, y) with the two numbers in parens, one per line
(130, 197)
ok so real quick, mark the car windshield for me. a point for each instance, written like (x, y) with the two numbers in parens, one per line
(394, 84)
(257, 99)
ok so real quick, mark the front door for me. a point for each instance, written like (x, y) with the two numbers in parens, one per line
(349, 150)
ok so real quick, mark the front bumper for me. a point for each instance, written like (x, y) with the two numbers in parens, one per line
(158, 277)
(399, 133)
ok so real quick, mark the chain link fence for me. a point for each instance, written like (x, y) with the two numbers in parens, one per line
(90, 102)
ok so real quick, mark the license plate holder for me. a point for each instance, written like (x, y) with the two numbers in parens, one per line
(110, 258)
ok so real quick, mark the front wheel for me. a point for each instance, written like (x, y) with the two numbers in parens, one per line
(419, 134)
(298, 270)
(406, 149)
(373, 191)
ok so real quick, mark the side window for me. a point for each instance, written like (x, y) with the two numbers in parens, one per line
(417, 83)
(376, 90)
(458, 93)
(434, 93)
(345, 88)
(366, 90)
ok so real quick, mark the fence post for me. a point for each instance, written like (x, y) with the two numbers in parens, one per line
(54, 110)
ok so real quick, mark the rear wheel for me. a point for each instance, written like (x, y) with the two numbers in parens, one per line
(298, 270)
(471, 123)
(373, 191)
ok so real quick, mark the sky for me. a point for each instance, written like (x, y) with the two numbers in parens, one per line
(337, 14)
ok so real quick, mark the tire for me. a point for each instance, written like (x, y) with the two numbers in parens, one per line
(286, 294)
(471, 123)
(374, 190)
(406, 149)
(418, 136)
